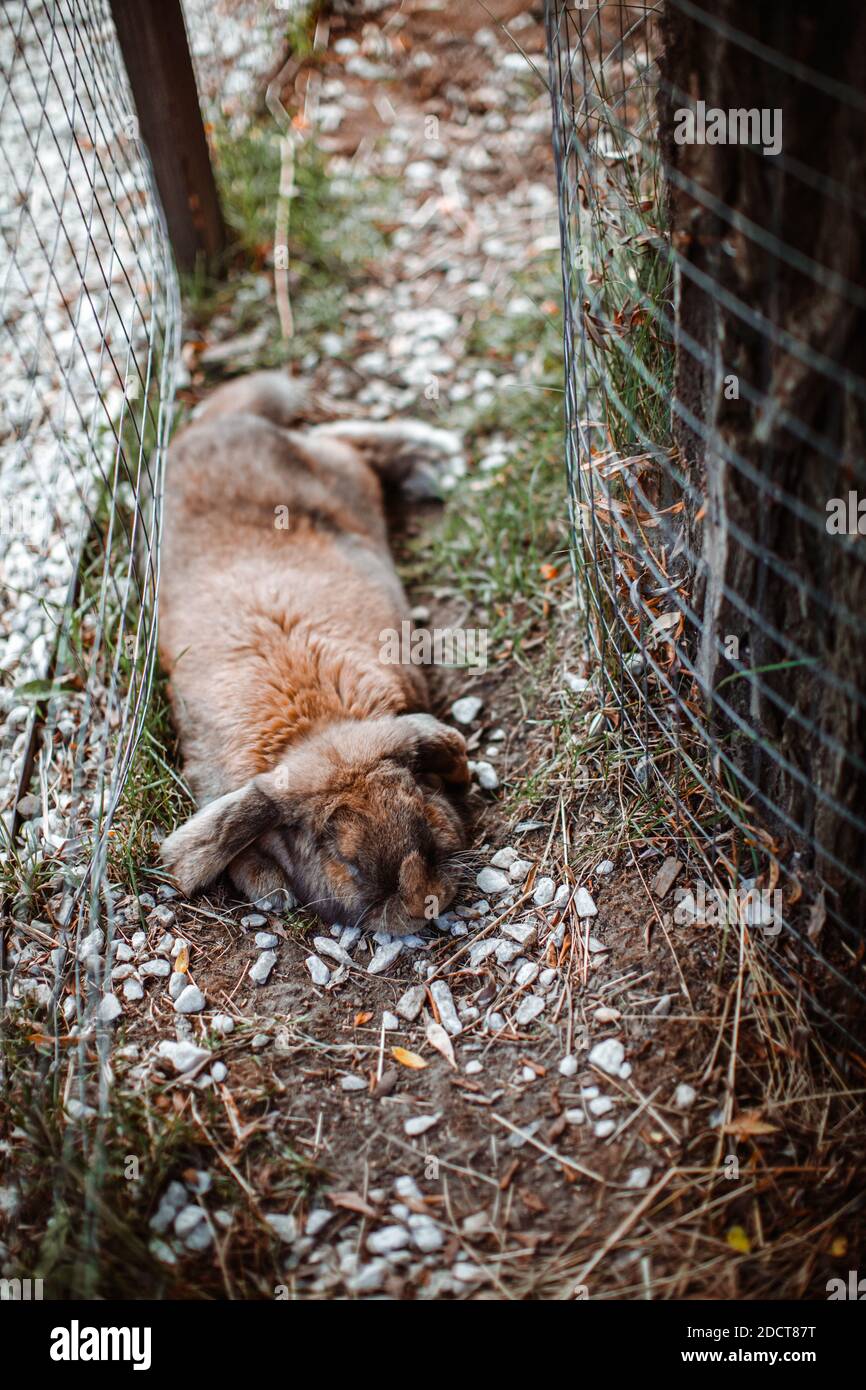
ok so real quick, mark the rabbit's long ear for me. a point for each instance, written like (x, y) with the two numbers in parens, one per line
(200, 849)
(434, 747)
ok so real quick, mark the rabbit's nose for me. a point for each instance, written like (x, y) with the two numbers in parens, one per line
(413, 885)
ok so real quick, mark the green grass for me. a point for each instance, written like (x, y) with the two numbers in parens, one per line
(502, 534)
(89, 1187)
(335, 238)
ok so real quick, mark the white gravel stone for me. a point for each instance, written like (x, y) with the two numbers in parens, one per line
(267, 941)
(639, 1178)
(283, 1225)
(504, 858)
(685, 1096)
(568, 1066)
(353, 1083)
(327, 947)
(262, 967)
(187, 1219)
(606, 867)
(223, 1024)
(608, 1056)
(189, 1001)
(162, 1252)
(200, 1239)
(474, 1067)
(583, 904)
(530, 1007)
(602, 1105)
(486, 776)
(370, 1277)
(254, 919)
(387, 1239)
(158, 969)
(219, 1071)
(133, 989)
(467, 1273)
(576, 684)
(318, 1220)
(78, 1111)
(480, 950)
(604, 1128)
(419, 1124)
(507, 951)
(408, 1006)
(260, 1041)
(91, 944)
(575, 1116)
(493, 881)
(544, 891)
(606, 1014)
(183, 1056)
(527, 973)
(466, 709)
(522, 932)
(519, 869)
(444, 1001)
(318, 970)
(177, 984)
(384, 958)
(110, 1008)
(425, 1233)
(390, 1021)
(174, 1197)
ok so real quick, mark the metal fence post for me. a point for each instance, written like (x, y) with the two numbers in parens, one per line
(153, 41)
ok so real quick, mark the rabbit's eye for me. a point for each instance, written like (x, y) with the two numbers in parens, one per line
(351, 869)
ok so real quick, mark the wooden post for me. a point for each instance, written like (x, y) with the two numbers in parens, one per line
(152, 39)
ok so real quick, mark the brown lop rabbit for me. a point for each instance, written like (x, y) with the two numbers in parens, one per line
(318, 772)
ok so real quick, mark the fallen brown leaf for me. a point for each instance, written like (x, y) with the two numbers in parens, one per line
(351, 1201)
(749, 1123)
(438, 1038)
(407, 1058)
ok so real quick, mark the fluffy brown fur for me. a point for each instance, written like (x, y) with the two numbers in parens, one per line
(316, 766)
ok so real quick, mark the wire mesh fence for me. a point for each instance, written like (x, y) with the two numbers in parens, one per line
(90, 313)
(711, 211)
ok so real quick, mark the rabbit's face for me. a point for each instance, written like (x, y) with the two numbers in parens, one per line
(381, 854)
(363, 822)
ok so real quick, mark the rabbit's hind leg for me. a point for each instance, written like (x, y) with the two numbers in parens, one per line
(422, 460)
